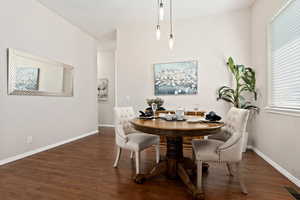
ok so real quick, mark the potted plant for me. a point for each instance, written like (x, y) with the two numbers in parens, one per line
(244, 83)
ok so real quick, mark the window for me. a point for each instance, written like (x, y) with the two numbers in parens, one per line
(284, 51)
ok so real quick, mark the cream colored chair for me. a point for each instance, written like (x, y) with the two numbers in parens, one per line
(129, 138)
(232, 123)
(225, 147)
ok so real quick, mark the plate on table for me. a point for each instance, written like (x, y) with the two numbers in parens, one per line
(146, 118)
(194, 119)
(211, 121)
(174, 119)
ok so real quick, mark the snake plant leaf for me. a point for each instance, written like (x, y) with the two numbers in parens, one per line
(231, 65)
(249, 77)
(226, 88)
(242, 99)
(245, 88)
(228, 99)
(241, 69)
(226, 93)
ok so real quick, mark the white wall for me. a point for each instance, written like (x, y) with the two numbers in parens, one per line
(29, 26)
(277, 136)
(106, 69)
(207, 40)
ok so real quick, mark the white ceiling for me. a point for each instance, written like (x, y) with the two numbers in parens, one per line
(100, 18)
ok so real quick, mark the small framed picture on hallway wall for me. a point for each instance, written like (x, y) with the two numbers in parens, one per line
(102, 88)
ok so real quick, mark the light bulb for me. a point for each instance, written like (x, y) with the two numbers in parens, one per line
(158, 32)
(171, 41)
(161, 11)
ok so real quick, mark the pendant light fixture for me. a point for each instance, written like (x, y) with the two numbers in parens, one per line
(171, 37)
(160, 17)
(161, 10)
(158, 24)
(158, 32)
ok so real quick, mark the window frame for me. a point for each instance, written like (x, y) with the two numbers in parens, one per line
(291, 111)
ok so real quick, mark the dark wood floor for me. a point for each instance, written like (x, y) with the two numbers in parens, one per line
(83, 170)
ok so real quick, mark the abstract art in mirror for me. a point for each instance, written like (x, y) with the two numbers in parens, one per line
(102, 89)
(27, 78)
(177, 78)
(36, 76)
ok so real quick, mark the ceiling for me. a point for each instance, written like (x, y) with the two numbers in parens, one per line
(100, 18)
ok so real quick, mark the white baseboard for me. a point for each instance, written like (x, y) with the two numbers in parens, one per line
(29, 153)
(250, 147)
(283, 171)
(106, 125)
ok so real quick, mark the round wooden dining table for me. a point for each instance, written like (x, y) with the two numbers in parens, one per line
(175, 165)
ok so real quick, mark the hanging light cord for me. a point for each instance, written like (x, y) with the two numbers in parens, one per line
(158, 4)
(171, 16)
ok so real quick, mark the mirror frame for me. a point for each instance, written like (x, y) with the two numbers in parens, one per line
(13, 53)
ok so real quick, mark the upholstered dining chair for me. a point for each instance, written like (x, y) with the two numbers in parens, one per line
(232, 122)
(225, 147)
(129, 138)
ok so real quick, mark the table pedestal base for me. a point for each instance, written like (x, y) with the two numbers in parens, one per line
(175, 166)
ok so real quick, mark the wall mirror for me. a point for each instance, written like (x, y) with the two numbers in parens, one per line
(36, 76)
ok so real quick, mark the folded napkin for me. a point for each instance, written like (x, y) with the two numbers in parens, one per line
(212, 116)
(145, 114)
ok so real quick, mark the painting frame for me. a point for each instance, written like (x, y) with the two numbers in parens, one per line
(177, 67)
(102, 89)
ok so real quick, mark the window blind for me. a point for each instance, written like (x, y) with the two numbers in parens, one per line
(285, 57)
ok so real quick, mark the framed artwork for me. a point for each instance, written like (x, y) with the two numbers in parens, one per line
(176, 78)
(102, 89)
(27, 79)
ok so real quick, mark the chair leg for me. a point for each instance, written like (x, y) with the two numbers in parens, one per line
(137, 162)
(157, 153)
(131, 154)
(119, 151)
(193, 156)
(199, 174)
(229, 169)
(240, 178)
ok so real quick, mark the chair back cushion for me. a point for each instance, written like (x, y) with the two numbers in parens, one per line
(236, 120)
(235, 126)
(123, 115)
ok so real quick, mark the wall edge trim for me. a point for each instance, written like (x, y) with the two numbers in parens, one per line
(280, 169)
(106, 125)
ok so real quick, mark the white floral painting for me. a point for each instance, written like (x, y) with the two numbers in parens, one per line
(178, 78)
(27, 79)
(102, 89)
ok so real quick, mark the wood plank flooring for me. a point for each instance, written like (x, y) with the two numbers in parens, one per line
(83, 170)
